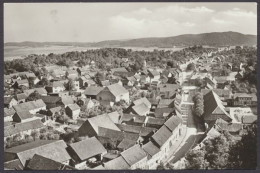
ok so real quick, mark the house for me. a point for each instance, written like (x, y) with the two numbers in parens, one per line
(114, 116)
(40, 91)
(32, 106)
(52, 149)
(249, 119)
(51, 101)
(21, 97)
(214, 109)
(13, 165)
(140, 109)
(39, 162)
(163, 140)
(84, 150)
(118, 163)
(91, 127)
(71, 74)
(166, 103)
(163, 112)
(86, 82)
(87, 102)
(241, 99)
(9, 102)
(92, 91)
(136, 157)
(174, 123)
(154, 75)
(20, 83)
(52, 111)
(222, 93)
(55, 87)
(113, 93)
(105, 83)
(153, 155)
(154, 122)
(8, 114)
(57, 72)
(125, 144)
(232, 128)
(121, 71)
(131, 119)
(168, 91)
(143, 100)
(7, 79)
(20, 117)
(83, 70)
(73, 111)
(66, 100)
(22, 128)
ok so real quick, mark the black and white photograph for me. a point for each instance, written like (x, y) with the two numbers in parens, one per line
(130, 86)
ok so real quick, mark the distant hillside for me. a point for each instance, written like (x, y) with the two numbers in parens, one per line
(210, 39)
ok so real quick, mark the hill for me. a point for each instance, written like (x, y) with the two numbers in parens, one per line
(210, 39)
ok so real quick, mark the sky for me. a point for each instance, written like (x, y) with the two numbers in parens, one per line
(93, 22)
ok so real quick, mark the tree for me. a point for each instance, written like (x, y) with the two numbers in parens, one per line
(33, 96)
(243, 155)
(195, 159)
(191, 67)
(198, 104)
(70, 85)
(31, 82)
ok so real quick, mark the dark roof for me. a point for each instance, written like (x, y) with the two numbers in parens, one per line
(20, 127)
(133, 118)
(129, 128)
(133, 155)
(50, 99)
(117, 163)
(145, 131)
(155, 121)
(125, 144)
(24, 115)
(219, 92)
(173, 122)
(93, 90)
(88, 148)
(213, 105)
(162, 135)
(151, 149)
(13, 165)
(165, 103)
(39, 162)
(160, 111)
(53, 149)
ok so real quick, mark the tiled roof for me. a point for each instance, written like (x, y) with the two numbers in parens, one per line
(162, 135)
(133, 154)
(151, 149)
(118, 163)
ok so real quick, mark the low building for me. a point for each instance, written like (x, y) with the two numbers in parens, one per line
(135, 157)
(55, 87)
(53, 149)
(9, 102)
(84, 150)
(20, 117)
(153, 155)
(32, 106)
(93, 91)
(118, 163)
(73, 111)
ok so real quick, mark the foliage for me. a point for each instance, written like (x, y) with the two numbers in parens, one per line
(33, 96)
(191, 67)
(198, 104)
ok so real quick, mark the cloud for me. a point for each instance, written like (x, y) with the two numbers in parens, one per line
(200, 10)
(236, 12)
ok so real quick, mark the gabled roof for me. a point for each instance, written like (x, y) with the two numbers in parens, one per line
(56, 84)
(50, 99)
(31, 105)
(120, 69)
(133, 154)
(153, 73)
(73, 107)
(13, 165)
(132, 117)
(53, 149)
(24, 115)
(117, 89)
(213, 105)
(20, 127)
(8, 112)
(66, 100)
(129, 128)
(249, 119)
(160, 111)
(117, 163)
(165, 103)
(21, 82)
(141, 109)
(151, 149)
(239, 95)
(93, 90)
(155, 121)
(142, 100)
(55, 109)
(88, 148)
(41, 91)
(7, 100)
(102, 121)
(114, 116)
(39, 162)
(173, 122)
(219, 92)
(126, 143)
(21, 96)
(162, 135)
